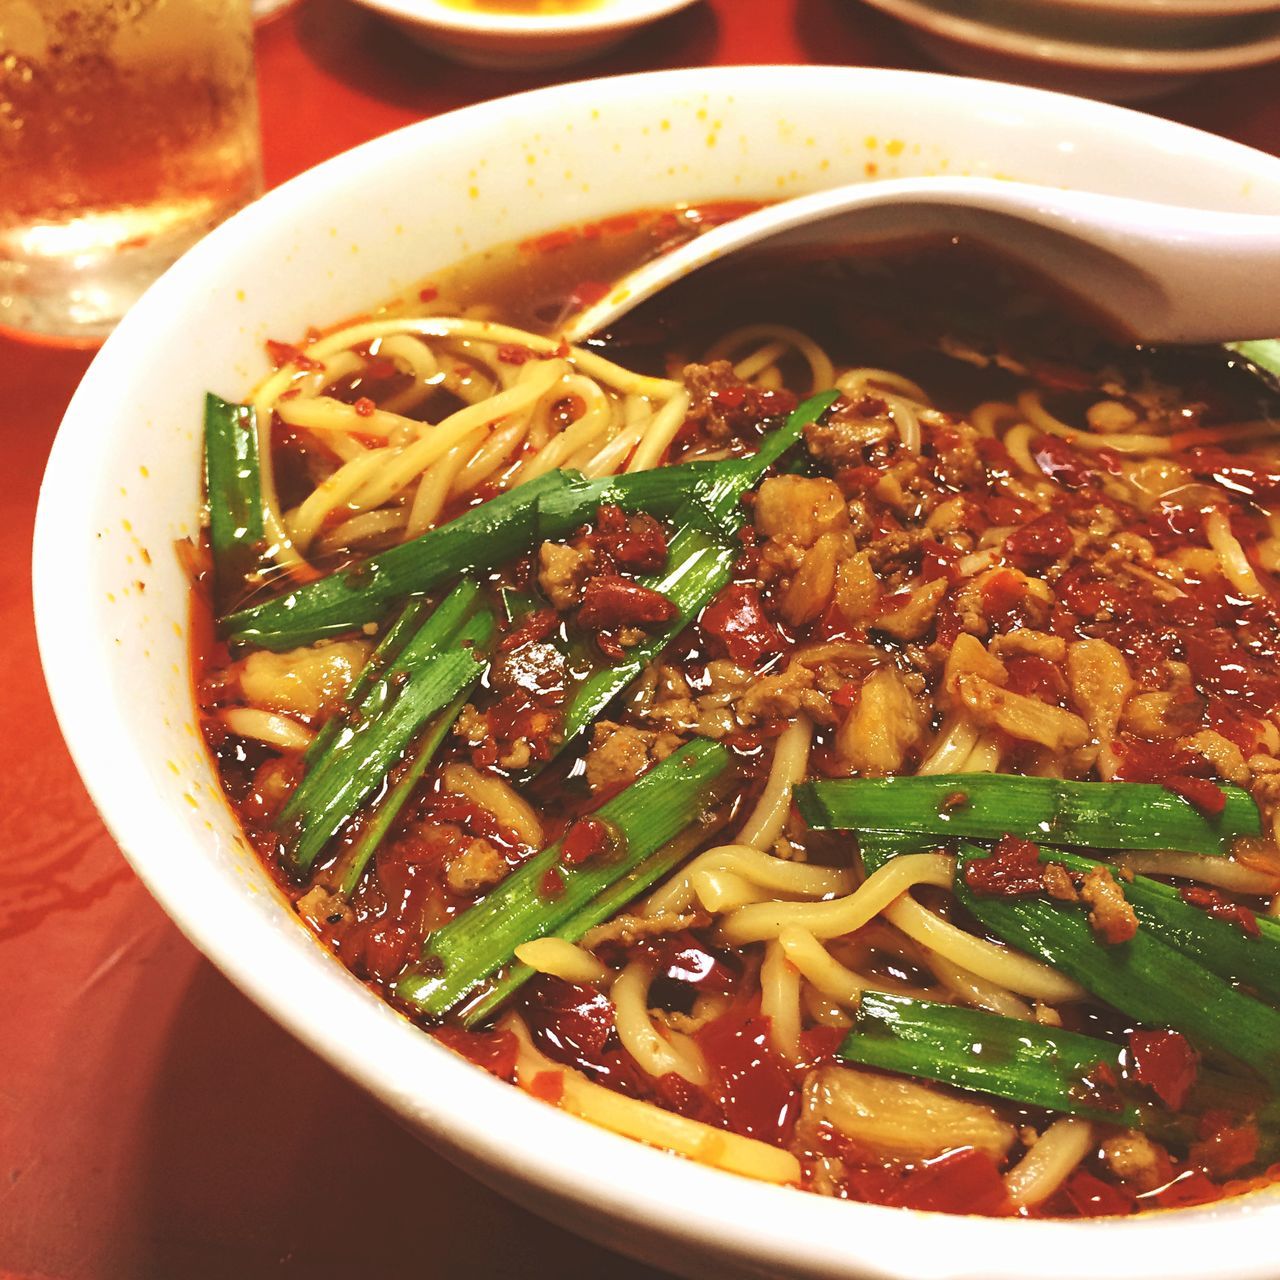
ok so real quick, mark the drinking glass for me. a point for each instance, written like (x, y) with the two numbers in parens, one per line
(128, 129)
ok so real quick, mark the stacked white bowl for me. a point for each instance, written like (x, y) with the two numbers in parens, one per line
(1116, 49)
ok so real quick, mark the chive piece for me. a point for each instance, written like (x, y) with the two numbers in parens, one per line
(660, 491)
(878, 847)
(1144, 977)
(1261, 358)
(648, 814)
(601, 908)
(665, 491)
(985, 806)
(233, 483)
(985, 1052)
(1219, 945)
(700, 565)
(497, 530)
(410, 618)
(486, 535)
(440, 661)
(388, 810)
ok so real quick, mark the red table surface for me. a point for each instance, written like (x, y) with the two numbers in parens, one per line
(153, 1122)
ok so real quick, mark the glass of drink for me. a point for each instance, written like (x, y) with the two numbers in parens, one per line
(128, 129)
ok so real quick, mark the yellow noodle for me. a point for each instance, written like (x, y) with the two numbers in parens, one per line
(797, 879)
(435, 442)
(410, 354)
(562, 959)
(780, 1001)
(822, 1010)
(323, 413)
(762, 361)
(988, 417)
(721, 890)
(977, 991)
(764, 920)
(821, 372)
(660, 432)
(368, 524)
(907, 422)
(985, 756)
(496, 796)
(1235, 564)
(1033, 410)
(499, 334)
(834, 980)
(1050, 1162)
(994, 962)
(953, 745)
(345, 445)
(1017, 440)
(641, 1039)
(608, 459)
(647, 1123)
(467, 381)
(305, 521)
(855, 381)
(1224, 873)
(437, 482)
(492, 456)
(790, 760)
(593, 422)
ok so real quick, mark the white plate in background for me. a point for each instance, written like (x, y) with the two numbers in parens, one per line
(495, 39)
(1117, 73)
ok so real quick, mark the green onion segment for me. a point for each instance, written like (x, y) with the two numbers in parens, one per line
(543, 896)
(1024, 1062)
(443, 658)
(986, 806)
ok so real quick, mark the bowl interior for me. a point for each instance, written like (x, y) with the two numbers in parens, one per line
(124, 483)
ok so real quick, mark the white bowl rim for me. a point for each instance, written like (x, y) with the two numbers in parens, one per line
(611, 15)
(1133, 60)
(1170, 8)
(471, 1112)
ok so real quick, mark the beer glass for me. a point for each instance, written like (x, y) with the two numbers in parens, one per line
(128, 128)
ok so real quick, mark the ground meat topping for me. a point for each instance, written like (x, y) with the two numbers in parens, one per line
(1110, 914)
(722, 405)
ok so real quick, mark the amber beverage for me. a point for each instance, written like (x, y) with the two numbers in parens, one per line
(128, 129)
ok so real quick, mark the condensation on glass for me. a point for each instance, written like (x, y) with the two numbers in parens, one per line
(128, 129)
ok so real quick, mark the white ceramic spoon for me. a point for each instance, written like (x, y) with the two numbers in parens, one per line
(1160, 273)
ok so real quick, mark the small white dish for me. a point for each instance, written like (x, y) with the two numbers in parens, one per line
(1108, 23)
(1169, 8)
(961, 38)
(510, 40)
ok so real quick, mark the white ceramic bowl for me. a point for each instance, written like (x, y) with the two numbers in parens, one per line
(124, 479)
(1108, 25)
(991, 38)
(496, 39)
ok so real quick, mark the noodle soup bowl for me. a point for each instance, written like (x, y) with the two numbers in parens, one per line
(113, 604)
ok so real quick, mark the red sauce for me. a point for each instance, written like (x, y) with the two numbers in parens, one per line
(1165, 1063)
(1037, 544)
(1215, 903)
(586, 839)
(1012, 870)
(736, 623)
